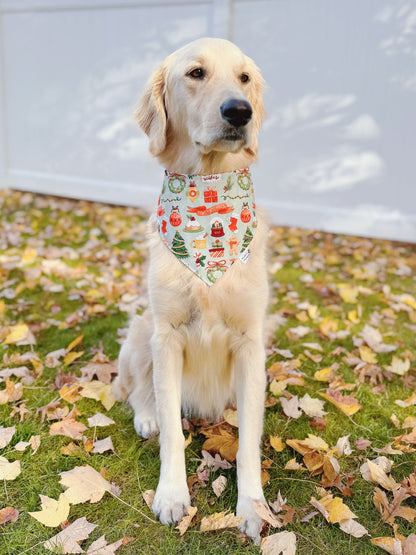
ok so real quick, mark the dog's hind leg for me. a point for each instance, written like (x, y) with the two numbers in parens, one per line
(134, 381)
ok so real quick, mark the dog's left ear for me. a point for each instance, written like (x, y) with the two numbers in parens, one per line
(256, 100)
(151, 111)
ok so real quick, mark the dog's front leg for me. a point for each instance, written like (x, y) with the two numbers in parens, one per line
(250, 383)
(172, 494)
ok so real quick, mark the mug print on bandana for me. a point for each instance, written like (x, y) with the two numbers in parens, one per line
(207, 221)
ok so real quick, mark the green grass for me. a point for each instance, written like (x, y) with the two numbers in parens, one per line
(102, 249)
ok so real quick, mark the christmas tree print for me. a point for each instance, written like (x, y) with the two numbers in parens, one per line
(248, 236)
(178, 246)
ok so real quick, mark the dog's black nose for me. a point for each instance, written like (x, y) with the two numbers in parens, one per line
(237, 112)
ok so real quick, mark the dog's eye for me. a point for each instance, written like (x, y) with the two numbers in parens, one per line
(197, 73)
(244, 78)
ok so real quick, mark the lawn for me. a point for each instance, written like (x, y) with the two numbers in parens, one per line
(341, 362)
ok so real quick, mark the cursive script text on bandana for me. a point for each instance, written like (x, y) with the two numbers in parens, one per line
(207, 221)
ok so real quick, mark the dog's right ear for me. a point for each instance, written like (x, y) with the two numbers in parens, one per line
(151, 111)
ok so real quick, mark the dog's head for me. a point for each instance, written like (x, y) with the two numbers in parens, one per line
(206, 96)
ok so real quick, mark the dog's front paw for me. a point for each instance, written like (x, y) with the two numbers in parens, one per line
(171, 503)
(252, 523)
(145, 425)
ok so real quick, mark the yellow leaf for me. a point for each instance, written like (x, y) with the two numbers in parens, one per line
(328, 326)
(367, 355)
(99, 391)
(277, 443)
(224, 443)
(72, 450)
(16, 333)
(378, 476)
(53, 511)
(315, 442)
(277, 387)
(338, 512)
(324, 375)
(353, 317)
(70, 393)
(347, 404)
(28, 256)
(409, 300)
(348, 294)
(218, 521)
(391, 545)
(399, 366)
(74, 343)
(71, 356)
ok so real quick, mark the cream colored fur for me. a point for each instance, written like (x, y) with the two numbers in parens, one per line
(199, 347)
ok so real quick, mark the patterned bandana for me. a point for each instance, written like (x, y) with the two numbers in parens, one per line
(207, 221)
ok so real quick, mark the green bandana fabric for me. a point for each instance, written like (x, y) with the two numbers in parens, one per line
(207, 221)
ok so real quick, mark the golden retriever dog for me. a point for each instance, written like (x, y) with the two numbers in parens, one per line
(200, 348)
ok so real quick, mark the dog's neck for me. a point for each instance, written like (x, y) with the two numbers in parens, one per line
(187, 159)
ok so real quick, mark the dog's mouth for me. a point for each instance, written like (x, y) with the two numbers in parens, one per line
(229, 140)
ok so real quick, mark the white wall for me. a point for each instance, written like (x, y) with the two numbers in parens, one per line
(338, 148)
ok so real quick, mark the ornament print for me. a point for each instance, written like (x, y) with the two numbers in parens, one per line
(203, 220)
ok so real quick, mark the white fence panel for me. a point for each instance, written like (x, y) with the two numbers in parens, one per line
(337, 151)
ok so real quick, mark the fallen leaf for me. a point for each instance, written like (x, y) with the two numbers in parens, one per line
(374, 340)
(186, 520)
(391, 545)
(67, 427)
(70, 393)
(103, 370)
(67, 540)
(231, 417)
(377, 475)
(218, 521)
(99, 420)
(98, 391)
(353, 528)
(101, 547)
(13, 392)
(148, 497)
(277, 443)
(389, 511)
(347, 404)
(9, 470)
(367, 355)
(8, 514)
(21, 446)
(282, 543)
(343, 446)
(219, 485)
(72, 450)
(293, 465)
(53, 511)
(337, 510)
(399, 366)
(324, 375)
(6, 435)
(291, 406)
(223, 442)
(74, 343)
(311, 406)
(102, 445)
(264, 511)
(83, 484)
(362, 443)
